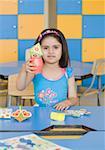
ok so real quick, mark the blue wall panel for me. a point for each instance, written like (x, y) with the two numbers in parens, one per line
(69, 6)
(22, 46)
(74, 46)
(31, 6)
(8, 27)
(93, 26)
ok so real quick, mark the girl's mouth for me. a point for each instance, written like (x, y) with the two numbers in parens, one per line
(50, 56)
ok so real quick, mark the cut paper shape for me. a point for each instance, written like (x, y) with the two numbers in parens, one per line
(36, 50)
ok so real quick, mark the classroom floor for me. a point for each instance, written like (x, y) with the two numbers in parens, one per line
(84, 101)
(92, 100)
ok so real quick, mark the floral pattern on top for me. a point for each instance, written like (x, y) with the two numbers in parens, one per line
(47, 96)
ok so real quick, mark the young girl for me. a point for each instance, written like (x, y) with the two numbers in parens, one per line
(55, 86)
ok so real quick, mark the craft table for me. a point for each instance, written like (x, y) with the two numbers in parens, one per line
(41, 119)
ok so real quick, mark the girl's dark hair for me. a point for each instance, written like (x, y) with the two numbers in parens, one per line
(64, 61)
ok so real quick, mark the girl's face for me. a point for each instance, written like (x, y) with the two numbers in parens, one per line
(52, 50)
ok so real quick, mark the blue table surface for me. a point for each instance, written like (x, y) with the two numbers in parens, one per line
(93, 140)
(81, 69)
(41, 119)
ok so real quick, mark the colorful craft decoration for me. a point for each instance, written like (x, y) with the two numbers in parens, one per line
(36, 57)
(21, 115)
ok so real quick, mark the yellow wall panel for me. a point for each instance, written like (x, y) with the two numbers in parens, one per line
(8, 7)
(93, 49)
(70, 25)
(30, 26)
(8, 50)
(93, 7)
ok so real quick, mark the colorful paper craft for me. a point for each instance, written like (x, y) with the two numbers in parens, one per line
(36, 50)
(36, 58)
(21, 115)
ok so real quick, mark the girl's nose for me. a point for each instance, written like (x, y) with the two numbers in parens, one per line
(51, 50)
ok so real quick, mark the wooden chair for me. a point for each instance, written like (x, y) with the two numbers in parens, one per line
(98, 70)
(3, 90)
(27, 94)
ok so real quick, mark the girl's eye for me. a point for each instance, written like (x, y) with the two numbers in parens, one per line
(56, 47)
(45, 48)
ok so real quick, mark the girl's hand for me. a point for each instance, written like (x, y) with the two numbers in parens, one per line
(30, 67)
(63, 105)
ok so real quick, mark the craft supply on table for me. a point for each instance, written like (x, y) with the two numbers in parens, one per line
(77, 113)
(21, 114)
(5, 113)
(57, 116)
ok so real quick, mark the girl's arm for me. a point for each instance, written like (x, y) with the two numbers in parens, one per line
(72, 96)
(72, 91)
(25, 76)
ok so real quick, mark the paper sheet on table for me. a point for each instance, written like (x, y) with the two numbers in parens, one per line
(28, 142)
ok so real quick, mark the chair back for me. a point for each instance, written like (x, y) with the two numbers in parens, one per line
(98, 67)
(12, 90)
(3, 91)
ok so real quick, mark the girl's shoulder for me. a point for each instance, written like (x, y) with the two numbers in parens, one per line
(37, 77)
(69, 72)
